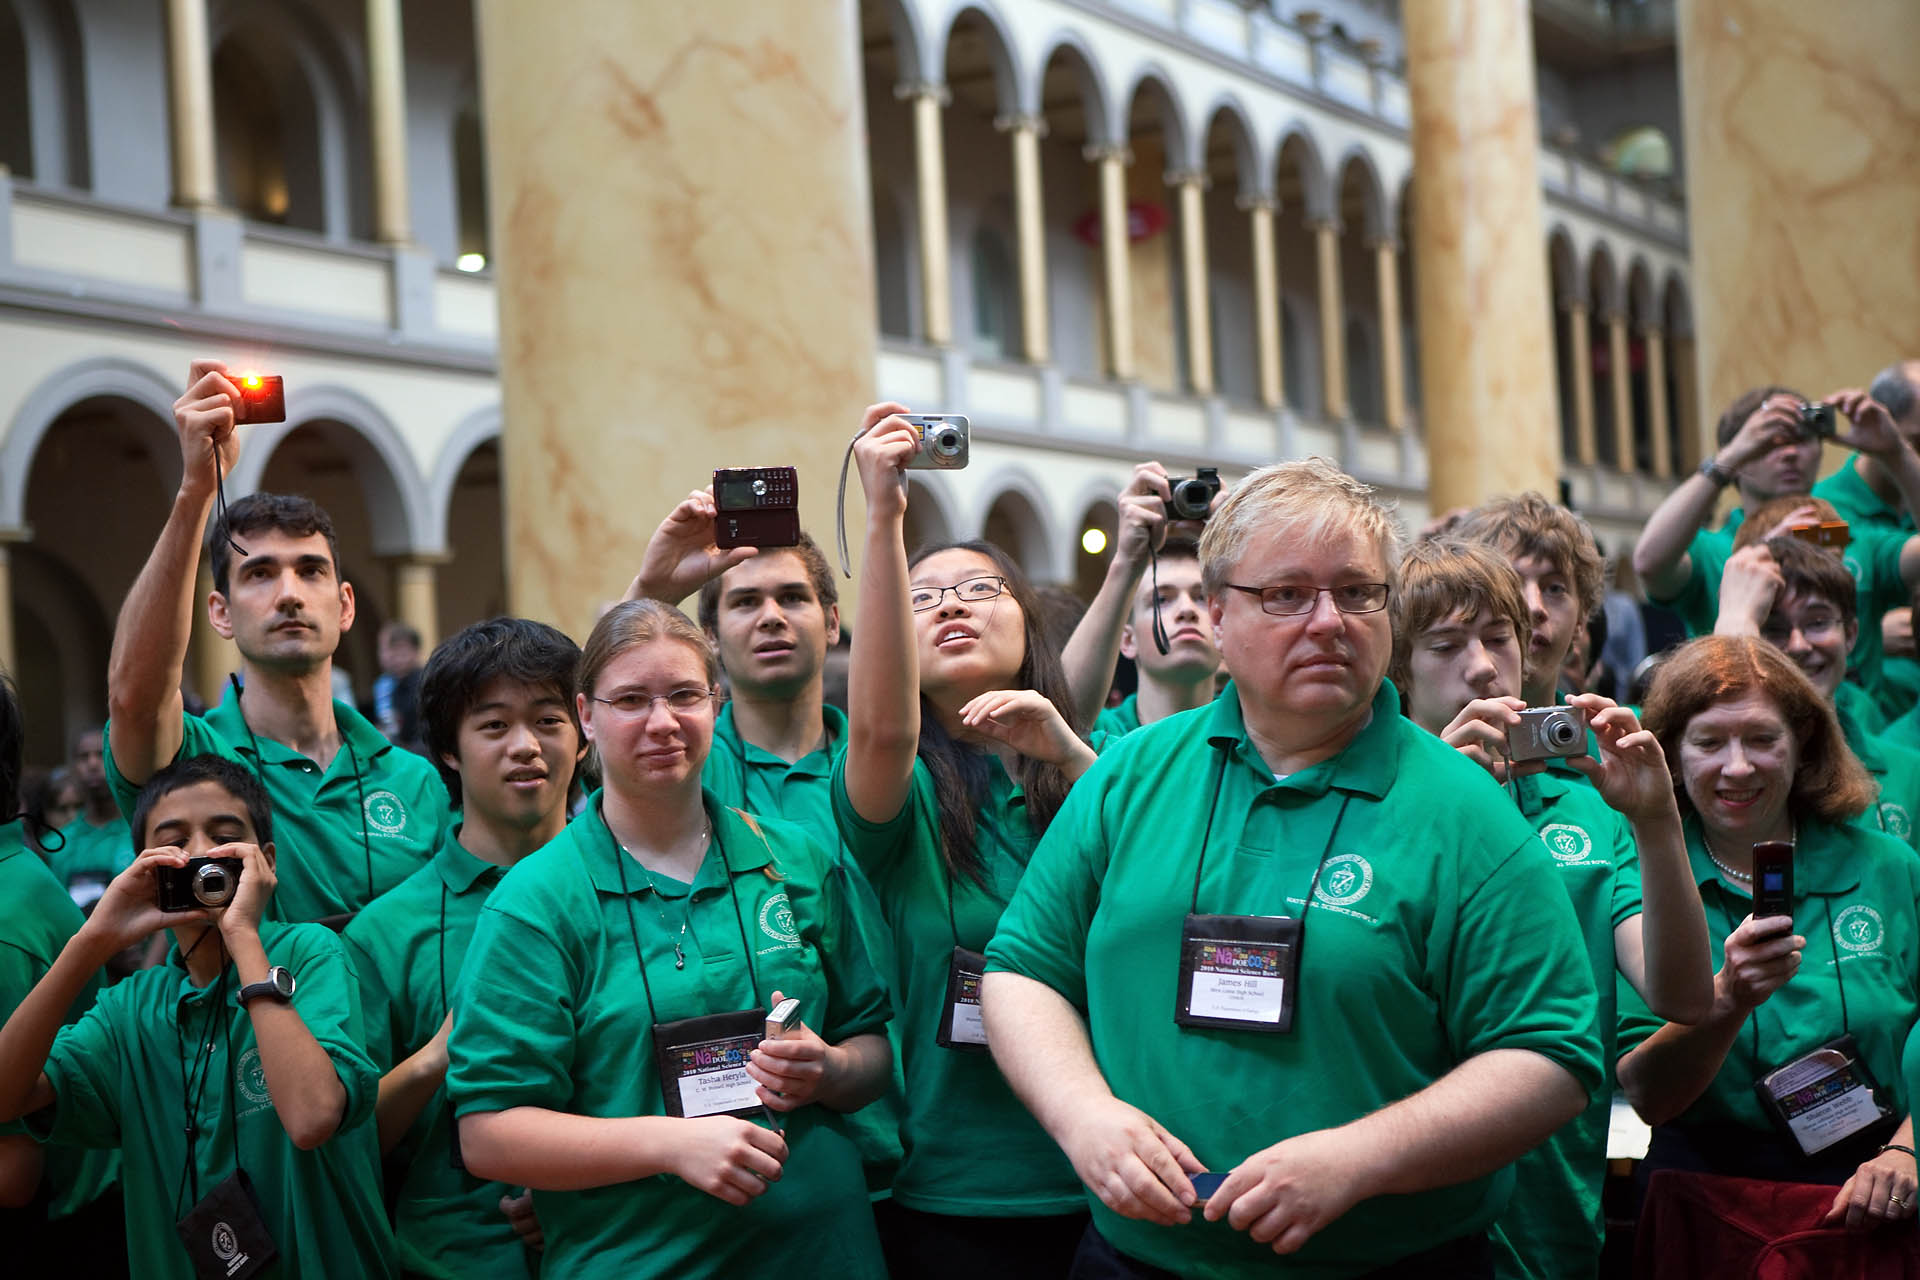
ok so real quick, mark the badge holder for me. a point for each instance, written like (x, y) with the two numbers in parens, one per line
(1825, 1098)
(1238, 973)
(703, 1064)
(961, 1026)
(225, 1236)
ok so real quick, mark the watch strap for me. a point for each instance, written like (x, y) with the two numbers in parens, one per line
(1720, 475)
(268, 987)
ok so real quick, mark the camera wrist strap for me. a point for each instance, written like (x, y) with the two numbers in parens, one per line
(1160, 641)
(840, 506)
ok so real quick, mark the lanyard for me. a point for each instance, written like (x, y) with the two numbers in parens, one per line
(1219, 774)
(746, 948)
(1839, 976)
(202, 1067)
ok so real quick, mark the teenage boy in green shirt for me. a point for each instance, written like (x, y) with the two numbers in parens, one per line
(1443, 1014)
(1153, 559)
(97, 845)
(357, 814)
(240, 1054)
(1800, 598)
(496, 709)
(1461, 626)
(772, 616)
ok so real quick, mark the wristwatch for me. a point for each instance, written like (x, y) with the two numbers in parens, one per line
(1712, 470)
(278, 985)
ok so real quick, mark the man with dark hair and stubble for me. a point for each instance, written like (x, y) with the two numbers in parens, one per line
(358, 814)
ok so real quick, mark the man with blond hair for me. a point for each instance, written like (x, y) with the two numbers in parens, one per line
(1149, 992)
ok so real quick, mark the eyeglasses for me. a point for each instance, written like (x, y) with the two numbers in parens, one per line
(972, 591)
(1290, 601)
(1778, 631)
(680, 701)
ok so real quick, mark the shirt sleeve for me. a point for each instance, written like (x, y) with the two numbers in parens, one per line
(857, 1001)
(1886, 588)
(1510, 972)
(1696, 595)
(196, 739)
(513, 1038)
(326, 995)
(874, 845)
(1626, 874)
(1043, 932)
(85, 1067)
(376, 1001)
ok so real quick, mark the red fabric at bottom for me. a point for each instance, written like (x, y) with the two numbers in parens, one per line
(1697, 1226)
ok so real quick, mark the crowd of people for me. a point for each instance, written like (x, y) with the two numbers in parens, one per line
(652, 958)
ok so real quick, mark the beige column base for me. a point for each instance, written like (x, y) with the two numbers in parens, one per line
(414, 600)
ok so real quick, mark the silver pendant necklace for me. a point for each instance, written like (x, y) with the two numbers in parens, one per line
(659, 904)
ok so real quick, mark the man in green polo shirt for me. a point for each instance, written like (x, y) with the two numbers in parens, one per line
(773, 616)
(1154, 561)
(358, 815)
(497, 713)
(1766, 451)
(97, 845)
(232, 1075)
(1363, 1075)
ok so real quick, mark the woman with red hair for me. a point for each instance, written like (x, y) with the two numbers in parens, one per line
(1795, 1074)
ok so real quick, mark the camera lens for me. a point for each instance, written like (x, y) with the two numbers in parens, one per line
(946, 442)
(212, 886)
(1562, 732)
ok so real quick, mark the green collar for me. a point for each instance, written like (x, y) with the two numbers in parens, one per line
(1539, 791)
(1366, 766)
(355, 730)
(815, 764)
(737, 836)
(460, 870)
(1822, 861)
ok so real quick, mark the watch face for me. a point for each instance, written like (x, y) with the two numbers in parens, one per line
(282, 980)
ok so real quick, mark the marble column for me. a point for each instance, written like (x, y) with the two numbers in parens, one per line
(1618, 372)
(416, 601)
(1802, 191)
(1030, 229)
(1686, 404)
(1580, 357)
(1333, 322)
(196, 183)
(1486, 347)
(1393, 367)
(212, 657)
(729, 306)
(1266, 298)
(1656, 344)
(1192, 186)
(1116, 273)
(930, 168)
(387, 116)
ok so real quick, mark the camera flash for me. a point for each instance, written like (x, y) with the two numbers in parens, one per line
(251, 381)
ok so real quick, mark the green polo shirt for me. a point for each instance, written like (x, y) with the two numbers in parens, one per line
(744, 776)
(1698, 599)
(1120, 719)
(1854, 895)
(90, 856)
(972, 1149)
(553, 1011)
(1858, 504)
(37, 918)
(1897, 771)
(1904, 731)
(119, 1080)
(1439, 933)
(407, 947)
(1554, 1228)
(375, 803)
(1851, 700)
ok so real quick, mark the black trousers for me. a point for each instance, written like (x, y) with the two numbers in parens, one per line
(939, 1246)
(1468, 1258)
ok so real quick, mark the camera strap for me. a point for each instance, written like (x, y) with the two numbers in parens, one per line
(220, 499)
(1160, 641)
(840, 505)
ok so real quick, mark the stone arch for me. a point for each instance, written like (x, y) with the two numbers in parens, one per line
(99, 377)
(1641, 305)
(1000, 51)
(1563, 271)
(1027, 512)
(1151, 81)
(1356, 158)
(1226, 117)
(1316, 193)
(1104, 124)
(476, 429)
(399, 505)
(910, 44)
(1676, 306)
(1604, 287)
(50, 134)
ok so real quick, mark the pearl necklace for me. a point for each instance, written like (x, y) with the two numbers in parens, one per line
(1741, 878)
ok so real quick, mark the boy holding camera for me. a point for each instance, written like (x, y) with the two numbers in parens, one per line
(231, 1078)
(1462, 624)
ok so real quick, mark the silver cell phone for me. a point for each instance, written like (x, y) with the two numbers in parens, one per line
(784, 1018)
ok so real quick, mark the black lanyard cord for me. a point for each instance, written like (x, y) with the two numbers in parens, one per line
(1839, 977)
(1160, 640)
(194, 1078)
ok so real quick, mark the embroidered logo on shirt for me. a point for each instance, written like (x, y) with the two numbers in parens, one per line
(1344, 880)
(1859, 928)
(1895, 821)
(1566, 842)
(385, 814)
(250, 1078)
(776, 919)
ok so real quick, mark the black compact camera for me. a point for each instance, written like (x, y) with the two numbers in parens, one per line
(756, 507)
(1547, 733)
(1192, 498)
(943, 441)
(203, 882)
(1817, 420)
(263, 398)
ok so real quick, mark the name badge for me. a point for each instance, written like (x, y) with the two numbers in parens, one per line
(961, 1026)
(703, 1064)
(225, 1236)
(1823, 1098)
(1238, 973)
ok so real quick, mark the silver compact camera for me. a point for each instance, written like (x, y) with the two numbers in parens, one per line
(1548, 733)
(943, 441)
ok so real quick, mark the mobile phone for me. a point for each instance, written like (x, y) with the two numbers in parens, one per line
(1772, 878)
(1204, 1185)
(1827, 533)
(263, 398)
(784, 1018)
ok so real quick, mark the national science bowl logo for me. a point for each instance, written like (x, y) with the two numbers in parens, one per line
(776, 919)
(226, 1243)
(1567, 842)
(1895, 820)
(1859, 928)
(251, 1078)
(385, 814)
(1344, 880)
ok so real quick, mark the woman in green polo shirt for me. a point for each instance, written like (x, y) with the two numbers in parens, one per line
(607, 1046)
(1795, 1074)
(960, 749)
